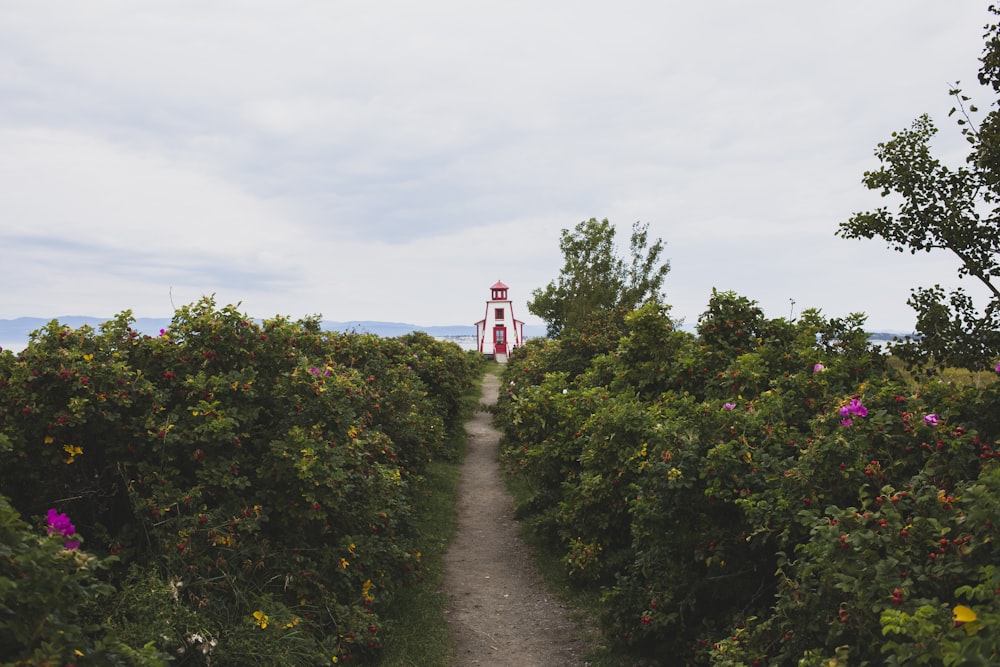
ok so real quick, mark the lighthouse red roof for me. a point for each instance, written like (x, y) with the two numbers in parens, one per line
(499, 285)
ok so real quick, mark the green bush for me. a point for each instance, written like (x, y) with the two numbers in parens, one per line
(50, 597)
(253, 480)
(765, 492)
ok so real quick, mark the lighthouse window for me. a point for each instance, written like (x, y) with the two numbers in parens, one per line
(498, 313)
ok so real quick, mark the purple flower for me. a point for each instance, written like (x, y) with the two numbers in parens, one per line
(818, 367)
(997, 369)
(931, 419)
(852, 409)
(60, 523)
(728, 406)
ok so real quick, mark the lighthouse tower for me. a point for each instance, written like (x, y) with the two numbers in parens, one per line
(498, 333)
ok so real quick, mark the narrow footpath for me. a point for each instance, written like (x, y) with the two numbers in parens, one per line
(499, 610)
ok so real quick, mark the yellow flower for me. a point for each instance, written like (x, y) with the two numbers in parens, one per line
(72, 452)
(88, 357)
(343, 563)
(49, 440)
(963, 614)
(967, 619)
(261, 619)
(365, 588)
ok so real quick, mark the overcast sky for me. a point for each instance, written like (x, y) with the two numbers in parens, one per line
(391, 160)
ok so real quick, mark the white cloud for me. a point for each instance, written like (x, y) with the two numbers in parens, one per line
(78, 209)
(392, 160)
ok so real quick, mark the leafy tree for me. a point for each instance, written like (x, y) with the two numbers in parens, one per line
(944, 208)
(595, 278)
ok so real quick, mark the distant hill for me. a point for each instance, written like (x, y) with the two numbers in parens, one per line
(14, 333)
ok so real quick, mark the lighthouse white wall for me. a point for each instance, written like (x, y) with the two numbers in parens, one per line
(499, 322)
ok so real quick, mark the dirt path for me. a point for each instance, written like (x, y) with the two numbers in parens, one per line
(498, 609)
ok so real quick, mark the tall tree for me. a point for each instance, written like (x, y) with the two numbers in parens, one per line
(956, 209)
(595, 278)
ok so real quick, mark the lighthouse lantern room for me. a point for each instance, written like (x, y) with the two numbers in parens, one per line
(498, 333)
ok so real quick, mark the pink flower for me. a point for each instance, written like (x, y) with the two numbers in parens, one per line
(818, 367)
(728, 406)
(60, 523)
(931, 419)
(852, 409)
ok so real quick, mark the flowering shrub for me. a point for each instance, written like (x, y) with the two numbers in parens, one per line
(764, 492)
(49, 596)
(253, 480)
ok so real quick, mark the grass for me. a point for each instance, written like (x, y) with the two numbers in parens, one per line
(418, 633)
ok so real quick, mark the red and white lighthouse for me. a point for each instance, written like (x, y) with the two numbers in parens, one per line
(499, 332)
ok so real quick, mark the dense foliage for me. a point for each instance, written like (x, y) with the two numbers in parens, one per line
(765, 492)
(242, 490)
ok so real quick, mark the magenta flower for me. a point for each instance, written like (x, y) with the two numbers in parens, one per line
(60, 523)
(852, 409)
(997, 369)
(818, 368)
(728, 406)
(931, 419)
